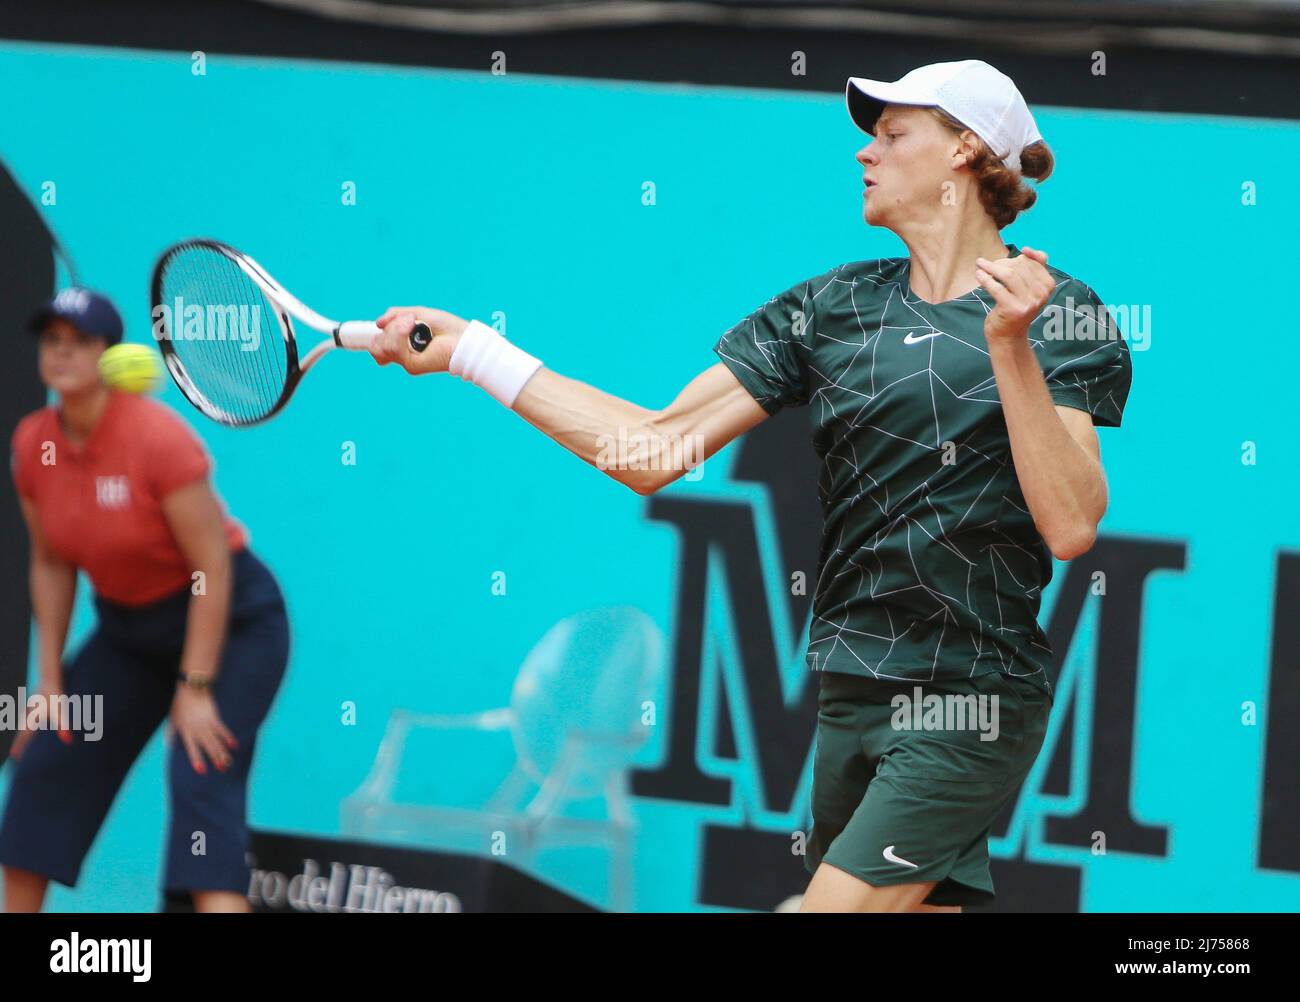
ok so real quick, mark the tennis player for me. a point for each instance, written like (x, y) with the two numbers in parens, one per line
(954, 394)
(190, 624)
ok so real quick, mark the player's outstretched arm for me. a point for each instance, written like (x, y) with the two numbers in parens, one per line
(641, 448)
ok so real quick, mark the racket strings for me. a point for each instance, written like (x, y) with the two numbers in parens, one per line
(225, 335)
(240, 289)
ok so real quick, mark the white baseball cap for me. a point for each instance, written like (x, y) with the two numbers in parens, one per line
(983, 99)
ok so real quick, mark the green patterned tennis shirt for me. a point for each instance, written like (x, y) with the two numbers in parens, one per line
(931, 567)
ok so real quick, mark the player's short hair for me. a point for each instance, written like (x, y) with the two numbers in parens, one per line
(1001, 189)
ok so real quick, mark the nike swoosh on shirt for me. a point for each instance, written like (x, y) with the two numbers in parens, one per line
(913, 339)
(889, 855)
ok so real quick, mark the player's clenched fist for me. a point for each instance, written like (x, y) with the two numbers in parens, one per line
(1021, 286)
(394, 341)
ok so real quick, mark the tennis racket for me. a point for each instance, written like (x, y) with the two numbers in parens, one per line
(226, 331)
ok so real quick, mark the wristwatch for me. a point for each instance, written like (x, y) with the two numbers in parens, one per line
(196, 681)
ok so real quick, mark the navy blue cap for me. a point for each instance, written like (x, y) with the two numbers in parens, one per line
(88, 311)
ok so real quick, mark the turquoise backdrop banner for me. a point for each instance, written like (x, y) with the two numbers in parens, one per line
(426, 539)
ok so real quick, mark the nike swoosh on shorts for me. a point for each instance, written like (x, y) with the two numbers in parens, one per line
(889, 855)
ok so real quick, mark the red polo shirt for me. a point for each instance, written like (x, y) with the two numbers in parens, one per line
(100, 503)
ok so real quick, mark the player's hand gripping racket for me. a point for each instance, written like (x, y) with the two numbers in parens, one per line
(225, 329)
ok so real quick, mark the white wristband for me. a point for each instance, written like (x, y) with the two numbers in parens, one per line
(483, 357)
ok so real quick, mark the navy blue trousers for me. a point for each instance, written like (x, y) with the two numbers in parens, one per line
(60, 794)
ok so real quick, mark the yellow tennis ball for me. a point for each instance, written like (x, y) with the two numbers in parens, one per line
(131, 367)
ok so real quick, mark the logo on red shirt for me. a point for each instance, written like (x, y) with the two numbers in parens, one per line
(113, 493)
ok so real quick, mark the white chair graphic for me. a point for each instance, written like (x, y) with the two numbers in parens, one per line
(564, 744)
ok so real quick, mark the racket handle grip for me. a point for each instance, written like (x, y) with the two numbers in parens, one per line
(357, 335)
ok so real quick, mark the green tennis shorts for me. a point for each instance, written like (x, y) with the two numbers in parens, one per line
(909, 777)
